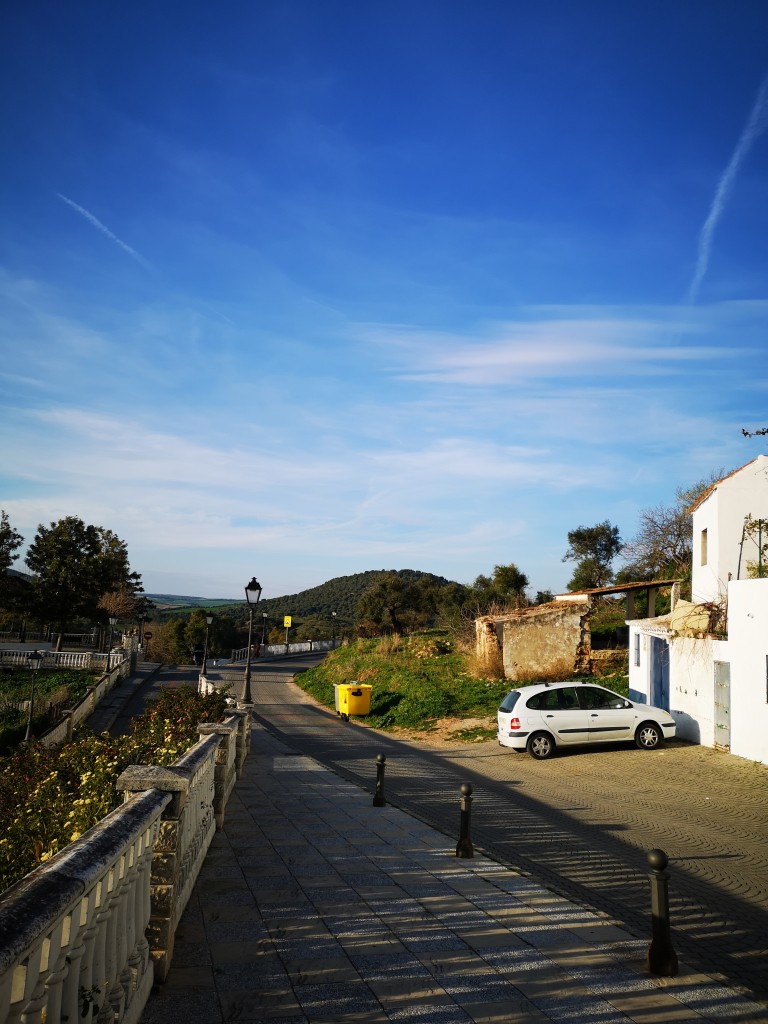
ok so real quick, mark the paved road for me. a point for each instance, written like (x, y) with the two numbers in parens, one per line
(581, 823)
(167, 677)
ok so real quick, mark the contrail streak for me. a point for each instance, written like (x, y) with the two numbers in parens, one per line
(755, 126)
(105, 230)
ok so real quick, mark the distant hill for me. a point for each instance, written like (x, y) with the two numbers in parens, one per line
(339, 595)
(166, 602)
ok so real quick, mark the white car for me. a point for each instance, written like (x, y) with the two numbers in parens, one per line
(544, 716)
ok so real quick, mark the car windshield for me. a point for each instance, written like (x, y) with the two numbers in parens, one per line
(509, 701)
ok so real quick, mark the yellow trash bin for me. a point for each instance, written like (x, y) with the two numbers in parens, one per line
(353, 699)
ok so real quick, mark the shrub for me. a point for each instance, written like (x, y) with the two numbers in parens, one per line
(48, 798)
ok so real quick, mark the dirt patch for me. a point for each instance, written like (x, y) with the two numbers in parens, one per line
(449, 730)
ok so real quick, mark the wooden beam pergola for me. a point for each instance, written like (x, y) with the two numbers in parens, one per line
(630, 589)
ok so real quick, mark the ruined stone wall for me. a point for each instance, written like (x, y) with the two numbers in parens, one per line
(488, 632)
(550, 641)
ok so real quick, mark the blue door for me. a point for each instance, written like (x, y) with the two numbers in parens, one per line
(659, 673)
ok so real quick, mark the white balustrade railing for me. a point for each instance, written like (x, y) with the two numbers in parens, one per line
(85, 936)
(272, 650)
(72, 932)
(64, 659)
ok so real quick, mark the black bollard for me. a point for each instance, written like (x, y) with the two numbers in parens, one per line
(378, 796)
(662, 959)
(464, 846)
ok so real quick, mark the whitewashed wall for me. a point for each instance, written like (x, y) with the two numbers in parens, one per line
(748, 649)
(691, 680)
(722, 515)
(639, 661)
(692, 686)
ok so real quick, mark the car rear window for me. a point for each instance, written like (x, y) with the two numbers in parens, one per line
(509, 701)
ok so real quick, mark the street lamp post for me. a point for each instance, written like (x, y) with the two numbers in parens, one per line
(112, 624)
(333, 629)
(264, 617)
(252, 595)
(208, 621)
(35, 660)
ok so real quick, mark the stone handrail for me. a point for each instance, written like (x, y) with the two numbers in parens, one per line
(85, 936)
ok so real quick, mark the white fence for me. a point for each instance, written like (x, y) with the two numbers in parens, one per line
(272, 650)
(63, 659)
(84, 937)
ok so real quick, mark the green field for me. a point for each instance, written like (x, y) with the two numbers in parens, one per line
(417, 680)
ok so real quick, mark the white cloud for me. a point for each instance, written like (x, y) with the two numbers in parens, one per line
(548, 348)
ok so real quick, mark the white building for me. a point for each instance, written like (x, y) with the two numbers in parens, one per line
(707, 661)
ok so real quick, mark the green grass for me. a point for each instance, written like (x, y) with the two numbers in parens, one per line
(16, 684)
(65, 688)
(416, 680)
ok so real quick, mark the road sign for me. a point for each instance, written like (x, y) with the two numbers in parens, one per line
(287, 621)
(147, 635)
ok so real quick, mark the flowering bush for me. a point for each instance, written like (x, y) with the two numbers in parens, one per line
(48, 798)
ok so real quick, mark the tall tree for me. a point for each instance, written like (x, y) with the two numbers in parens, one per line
(10, 542)
(74, 566)
(504, 588)
(593, 548)
(381, 606)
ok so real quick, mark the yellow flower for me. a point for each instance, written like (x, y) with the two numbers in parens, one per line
(74, 836)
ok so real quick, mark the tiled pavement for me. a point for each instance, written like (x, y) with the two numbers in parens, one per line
(313, 906)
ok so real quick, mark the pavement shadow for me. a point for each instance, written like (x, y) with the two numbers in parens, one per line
(716, 929)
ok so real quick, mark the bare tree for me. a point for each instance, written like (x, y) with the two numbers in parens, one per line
(662, 546)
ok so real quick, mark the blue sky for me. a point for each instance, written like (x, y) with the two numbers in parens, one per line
(302, 289)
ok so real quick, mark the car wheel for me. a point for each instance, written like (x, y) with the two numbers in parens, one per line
(648, 736)
(541, 746)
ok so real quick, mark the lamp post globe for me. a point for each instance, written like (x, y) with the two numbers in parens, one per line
(252, 595)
